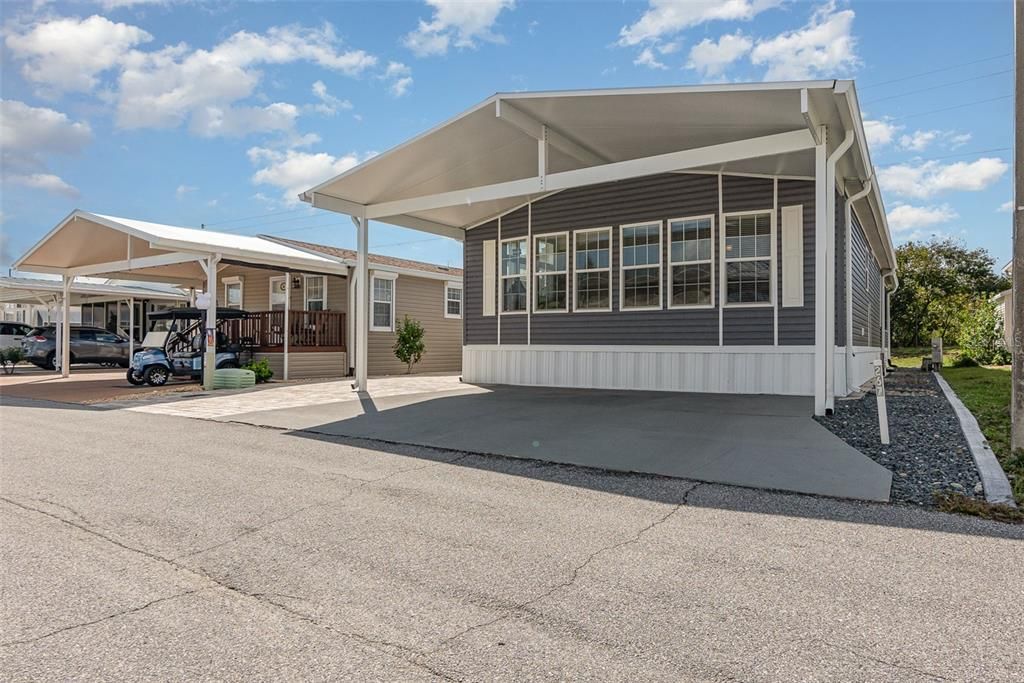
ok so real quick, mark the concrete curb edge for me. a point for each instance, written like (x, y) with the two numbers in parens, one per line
(993, 479)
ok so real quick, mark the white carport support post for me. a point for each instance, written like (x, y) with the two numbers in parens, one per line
(287, 318)
(65, 326)
(362, 299)
(820, 268)
(210, 354)
(131, 328)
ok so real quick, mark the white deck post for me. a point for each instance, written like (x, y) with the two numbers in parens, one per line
(65, 324)
(210, 353)
(362, 300)
(820, 268)
(287, 318)
(131, 328)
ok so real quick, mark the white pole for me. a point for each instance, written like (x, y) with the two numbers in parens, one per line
(131, 328)
(883, 414)
(210, 355)
(821, 190)
(362, 300)
(65, 337)
(287, 318)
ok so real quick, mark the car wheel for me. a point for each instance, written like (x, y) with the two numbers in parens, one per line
(156, 375)
(134, 379)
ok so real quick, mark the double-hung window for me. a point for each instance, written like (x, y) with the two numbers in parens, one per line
(514, 274)
(593, 290)
(748, 258)
(640, 267)
(452, 301)
(383, 289)
(233, 292)
(315, 293)
(551, 270)
(690, 262)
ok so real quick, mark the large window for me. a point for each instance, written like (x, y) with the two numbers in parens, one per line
(452, 301)
(233, 292)
(316, 293)
(383, 304)
(551, 273)
(748, 258)
(690, 262)
(514, 273)
(593, 290)
(640, 268)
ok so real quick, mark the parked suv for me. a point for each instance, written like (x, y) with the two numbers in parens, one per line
(88, 345)
(11, 334)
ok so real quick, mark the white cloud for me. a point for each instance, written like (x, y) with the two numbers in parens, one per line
(907, 217)
(294, 171)
(456, 22)
(329, 104)
(824, 46)
(711, 59)
(879, 132)
(214, 121)
(400, 76)
(119, 4)
(919, 140)
(28, 135)
(68, 54)
(1006, 207)
(958, 139)
(930, 178)
(647, 58)
(183, 190)
(667, 17)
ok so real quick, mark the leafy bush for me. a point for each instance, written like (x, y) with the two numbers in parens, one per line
(962, 361)
(261, 368)
(981, 336)
(409, 347)
(10, 357)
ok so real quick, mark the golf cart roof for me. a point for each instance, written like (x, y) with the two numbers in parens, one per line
(198, 314)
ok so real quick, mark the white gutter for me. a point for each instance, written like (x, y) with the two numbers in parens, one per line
(829, 265)
(849, 281)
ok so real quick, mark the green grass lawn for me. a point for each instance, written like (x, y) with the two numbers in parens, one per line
(986, 393)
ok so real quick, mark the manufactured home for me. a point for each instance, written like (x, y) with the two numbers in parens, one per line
(714, 238)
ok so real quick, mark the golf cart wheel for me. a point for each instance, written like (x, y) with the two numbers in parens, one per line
(156, 375)
(134, 379)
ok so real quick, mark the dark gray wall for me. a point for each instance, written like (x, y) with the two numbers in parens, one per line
(662, 197)
(866, 288)
(840, 303)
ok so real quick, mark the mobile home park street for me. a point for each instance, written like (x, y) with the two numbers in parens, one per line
(163, 547)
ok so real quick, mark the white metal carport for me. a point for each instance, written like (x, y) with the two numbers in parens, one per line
(92, 244)
(516, 147)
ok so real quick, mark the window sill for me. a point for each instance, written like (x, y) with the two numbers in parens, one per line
(692, 307)
(551, 310)
(755, 305)
(643, 308)
(592, 310)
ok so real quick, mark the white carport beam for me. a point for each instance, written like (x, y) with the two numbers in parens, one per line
(133, 263)
(780, 143)
(540, 131)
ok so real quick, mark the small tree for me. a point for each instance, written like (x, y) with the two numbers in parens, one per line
(982, 335)
(409, 347)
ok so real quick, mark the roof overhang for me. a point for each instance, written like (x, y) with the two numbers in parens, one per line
(25, 290)
(517, 147)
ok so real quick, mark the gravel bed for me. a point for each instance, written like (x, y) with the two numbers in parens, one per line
(928, 452)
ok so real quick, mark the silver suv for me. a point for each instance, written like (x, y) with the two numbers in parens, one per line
(88, 345)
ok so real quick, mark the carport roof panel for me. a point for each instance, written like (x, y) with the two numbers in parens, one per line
(29, 289)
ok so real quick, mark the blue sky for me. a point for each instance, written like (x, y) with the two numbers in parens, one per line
(189, 113)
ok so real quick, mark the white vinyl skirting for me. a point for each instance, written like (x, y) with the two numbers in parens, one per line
(785, 370)
(860, 367)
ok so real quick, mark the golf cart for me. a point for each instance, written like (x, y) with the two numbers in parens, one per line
(175, 344)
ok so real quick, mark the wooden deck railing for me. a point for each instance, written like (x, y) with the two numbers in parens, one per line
(307, 329)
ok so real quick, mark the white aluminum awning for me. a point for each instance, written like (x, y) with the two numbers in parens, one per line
(33, 290)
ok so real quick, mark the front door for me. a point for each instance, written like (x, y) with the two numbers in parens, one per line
(278, 296)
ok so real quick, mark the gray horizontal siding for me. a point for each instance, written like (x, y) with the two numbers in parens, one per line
(866, 289)
(476, 328)
(840, 265)
(796, 324)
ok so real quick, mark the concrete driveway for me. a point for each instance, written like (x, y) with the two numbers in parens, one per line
(758, 441)
(85, 385)
(151, 547)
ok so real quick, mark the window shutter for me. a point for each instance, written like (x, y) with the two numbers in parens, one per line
(792, 256)
(490, 258)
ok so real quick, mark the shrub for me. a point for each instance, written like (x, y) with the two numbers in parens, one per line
(10, 357)
(409, 347)
(981, 337)
(261, 368)
(962, 361)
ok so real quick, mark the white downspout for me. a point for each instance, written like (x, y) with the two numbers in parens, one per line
(850, 355)
(830, 270)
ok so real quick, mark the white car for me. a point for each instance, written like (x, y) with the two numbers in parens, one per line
(11, 334)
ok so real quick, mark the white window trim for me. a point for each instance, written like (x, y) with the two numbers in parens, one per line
(576, 271)
(374, 275)
(502, 277)
(536, 274)
(234, 280)
(305, 290)
(462, 297)
(270, 288)
(623, 268)
(771, 257)
(710, 261)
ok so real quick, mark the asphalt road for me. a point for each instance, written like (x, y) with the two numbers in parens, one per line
(154, 547)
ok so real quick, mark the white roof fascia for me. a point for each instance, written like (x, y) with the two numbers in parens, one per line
(669, 89)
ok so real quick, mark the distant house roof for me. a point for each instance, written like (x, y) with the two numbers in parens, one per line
(349, 256)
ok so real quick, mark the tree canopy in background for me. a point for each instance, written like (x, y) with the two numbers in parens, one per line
(942, 283)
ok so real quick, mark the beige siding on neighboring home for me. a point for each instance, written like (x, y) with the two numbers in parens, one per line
(307, 365)
(421, 299)
(256, 289)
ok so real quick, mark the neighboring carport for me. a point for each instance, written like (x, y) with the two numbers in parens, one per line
(85, 244)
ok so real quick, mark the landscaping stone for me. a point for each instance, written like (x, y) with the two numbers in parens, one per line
(928, 452)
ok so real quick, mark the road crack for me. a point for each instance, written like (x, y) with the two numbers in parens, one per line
(871, 658)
